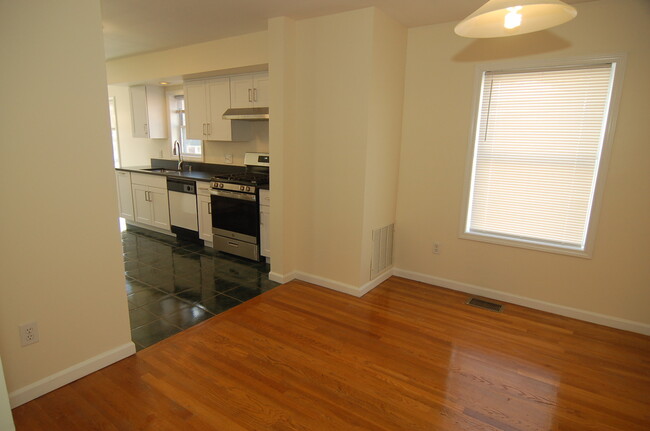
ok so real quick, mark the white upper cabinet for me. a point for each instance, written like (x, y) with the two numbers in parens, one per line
(205, 103)
(249, 90)
(148, 112)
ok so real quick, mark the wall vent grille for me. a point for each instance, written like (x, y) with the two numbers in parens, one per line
(382, 250)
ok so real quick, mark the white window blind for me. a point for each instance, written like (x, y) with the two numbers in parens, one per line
(538, 144)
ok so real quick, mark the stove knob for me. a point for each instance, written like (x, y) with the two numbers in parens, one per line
(241, 188)
(220, 185)
(248, 189)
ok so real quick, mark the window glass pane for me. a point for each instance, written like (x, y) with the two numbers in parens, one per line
(538, 144)
(189, 147)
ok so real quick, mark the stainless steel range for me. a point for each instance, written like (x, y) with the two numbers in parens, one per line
(235, 207)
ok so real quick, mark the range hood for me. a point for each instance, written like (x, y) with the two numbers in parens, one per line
(246, 114)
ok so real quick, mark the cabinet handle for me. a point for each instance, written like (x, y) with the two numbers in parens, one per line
(209, 129)
(250, 95)
(146, 129)
(146, 196)
(204, 129)
(254, 94)
(209, 207)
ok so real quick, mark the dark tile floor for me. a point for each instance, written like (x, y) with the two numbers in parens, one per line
(173, 284)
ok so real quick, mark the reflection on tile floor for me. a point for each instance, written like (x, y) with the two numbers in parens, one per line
(173, 284)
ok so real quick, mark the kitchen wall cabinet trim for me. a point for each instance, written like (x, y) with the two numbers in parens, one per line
(125, 195)
(148, 112)
(205, 102)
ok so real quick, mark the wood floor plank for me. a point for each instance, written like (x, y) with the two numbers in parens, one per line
(406, 356)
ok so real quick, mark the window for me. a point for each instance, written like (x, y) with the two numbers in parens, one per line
(114, 135)
(537, 152)
(189, 147)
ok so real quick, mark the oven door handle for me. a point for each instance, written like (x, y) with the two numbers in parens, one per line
(234, 195)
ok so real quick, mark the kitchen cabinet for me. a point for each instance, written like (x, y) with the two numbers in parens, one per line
(205, 103)
(150, 201)
(249, 90)
(125, 195)
(148, 112)
(265, 222)
(205, 211)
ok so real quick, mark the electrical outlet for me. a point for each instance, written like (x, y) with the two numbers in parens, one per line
(436, 248)
(28, 333)
(228, 158)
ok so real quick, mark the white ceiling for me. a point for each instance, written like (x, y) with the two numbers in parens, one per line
(138, 26)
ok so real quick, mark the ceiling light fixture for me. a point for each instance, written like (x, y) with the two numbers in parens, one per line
(499, 18)
(163, 83)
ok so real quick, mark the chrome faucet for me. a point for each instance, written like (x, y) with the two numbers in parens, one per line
(177, 152)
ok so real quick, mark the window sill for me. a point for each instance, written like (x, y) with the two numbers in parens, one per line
(530, 245)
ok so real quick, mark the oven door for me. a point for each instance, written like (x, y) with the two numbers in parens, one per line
(235, 215)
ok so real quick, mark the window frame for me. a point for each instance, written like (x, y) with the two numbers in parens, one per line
(175, 128)
(603, 164)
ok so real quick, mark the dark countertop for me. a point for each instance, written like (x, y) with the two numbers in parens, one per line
(199, 172)
(190, 175)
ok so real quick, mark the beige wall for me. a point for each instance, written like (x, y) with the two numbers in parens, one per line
(61, 260)
(239, 51)
(437, 114)
(384, 131)
(283, 145)
(339, 96)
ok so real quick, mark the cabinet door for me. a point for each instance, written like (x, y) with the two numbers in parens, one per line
(205, 218)
(125, 195)
(159, 207)
(261, 89)
(219, 100)
(265, 238)
(156, 112)
(139, 111)
(241, 91)
(195, 109)
(142, 206)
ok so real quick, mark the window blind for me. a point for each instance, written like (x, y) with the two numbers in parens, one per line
(538, 144)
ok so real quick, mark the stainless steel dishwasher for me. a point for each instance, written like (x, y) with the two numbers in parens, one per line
(182, 208)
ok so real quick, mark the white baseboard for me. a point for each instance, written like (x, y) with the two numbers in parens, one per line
(281, 278)
(62, 378)
(588, 316)
(331, 284)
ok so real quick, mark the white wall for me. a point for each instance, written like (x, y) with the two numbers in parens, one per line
(233, 52)
(6, 421)
(437, 114)
(61, 260)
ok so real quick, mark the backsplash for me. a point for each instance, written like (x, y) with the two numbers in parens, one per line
(254, 137)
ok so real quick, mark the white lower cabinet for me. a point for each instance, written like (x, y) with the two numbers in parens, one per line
(205, 211)
(265, 222)
(125, 195)
(150, 201)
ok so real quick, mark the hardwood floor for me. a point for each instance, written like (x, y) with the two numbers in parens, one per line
(407, 356)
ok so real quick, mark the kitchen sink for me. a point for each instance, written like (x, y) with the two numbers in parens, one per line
(163, 171)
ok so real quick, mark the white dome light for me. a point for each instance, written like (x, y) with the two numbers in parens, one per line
(499, 18)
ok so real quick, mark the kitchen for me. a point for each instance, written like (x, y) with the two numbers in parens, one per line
(196, 234)
(346, 158)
